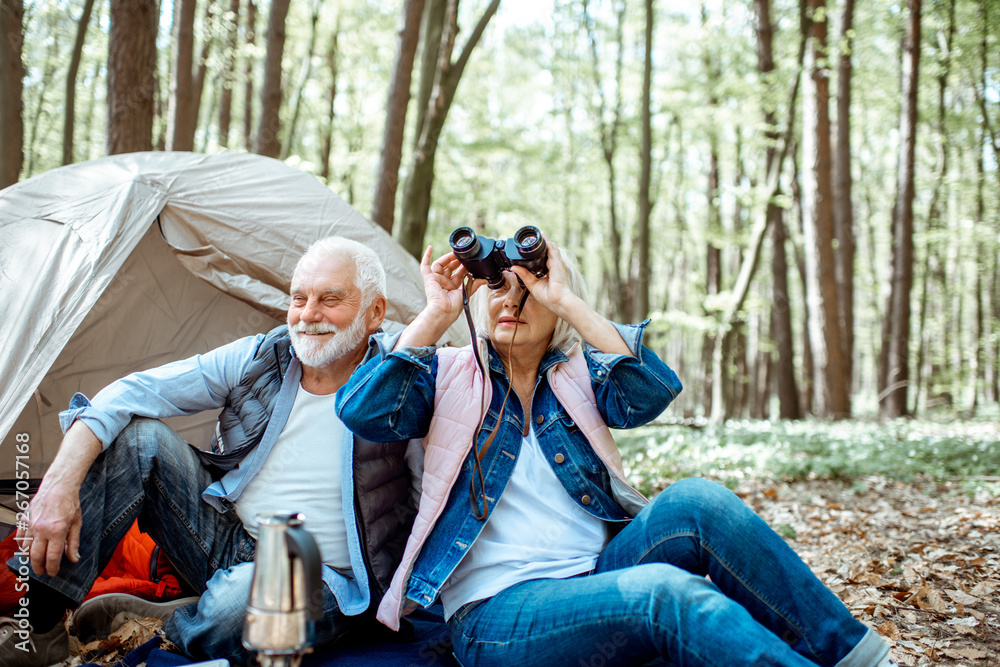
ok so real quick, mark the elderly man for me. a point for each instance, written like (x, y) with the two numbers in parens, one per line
(280, 447)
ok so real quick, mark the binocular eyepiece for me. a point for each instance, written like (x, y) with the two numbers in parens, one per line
(488, 258)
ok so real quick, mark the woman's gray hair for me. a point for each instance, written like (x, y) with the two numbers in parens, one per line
(369, 274)
(564, 337)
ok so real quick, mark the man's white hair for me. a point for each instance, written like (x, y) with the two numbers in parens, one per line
(564, 337)
(369, 274)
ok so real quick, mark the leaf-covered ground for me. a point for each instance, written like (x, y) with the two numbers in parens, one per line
(901, 521)
(917, 561)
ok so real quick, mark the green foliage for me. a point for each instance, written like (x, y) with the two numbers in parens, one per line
(657, 455)
(522, 144)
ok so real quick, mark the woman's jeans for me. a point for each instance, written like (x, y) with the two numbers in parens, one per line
(149, 473)
(649, 598)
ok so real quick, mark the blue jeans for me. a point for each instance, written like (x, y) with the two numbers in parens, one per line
(149, 473)
(648, 599)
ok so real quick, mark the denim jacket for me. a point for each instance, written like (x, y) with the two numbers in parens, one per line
(394, 394)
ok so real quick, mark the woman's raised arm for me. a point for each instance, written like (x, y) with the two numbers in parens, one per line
(443, 280)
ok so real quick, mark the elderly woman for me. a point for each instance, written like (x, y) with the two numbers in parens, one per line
(540, 551)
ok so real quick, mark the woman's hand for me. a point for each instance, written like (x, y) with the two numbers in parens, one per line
(443, 280)
(552, 290)
(444, 291)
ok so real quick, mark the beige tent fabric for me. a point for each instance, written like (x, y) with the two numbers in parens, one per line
(93, 286)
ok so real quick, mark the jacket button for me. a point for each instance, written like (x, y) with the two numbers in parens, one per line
(585, 500)
(559, 458)
(539, 419)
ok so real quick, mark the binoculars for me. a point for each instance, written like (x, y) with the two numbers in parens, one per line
(488, 258)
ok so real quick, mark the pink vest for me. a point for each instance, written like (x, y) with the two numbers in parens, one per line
(459, 396)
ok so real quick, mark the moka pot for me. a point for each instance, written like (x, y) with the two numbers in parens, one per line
(286, 595)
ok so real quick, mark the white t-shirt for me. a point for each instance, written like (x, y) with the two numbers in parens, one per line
(536, 531)
(302, 473)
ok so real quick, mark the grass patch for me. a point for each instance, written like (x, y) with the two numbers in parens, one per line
(654, 456)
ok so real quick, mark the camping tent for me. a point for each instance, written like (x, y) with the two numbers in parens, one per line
(131, 261)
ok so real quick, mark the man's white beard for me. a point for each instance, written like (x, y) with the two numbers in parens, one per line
(317, 352)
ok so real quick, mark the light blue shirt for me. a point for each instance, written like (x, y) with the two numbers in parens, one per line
(203, 382)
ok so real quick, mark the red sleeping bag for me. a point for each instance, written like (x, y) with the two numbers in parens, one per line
(137, 567)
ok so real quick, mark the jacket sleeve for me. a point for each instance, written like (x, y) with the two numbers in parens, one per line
(391, 396)
(184, 387)
(631, 390)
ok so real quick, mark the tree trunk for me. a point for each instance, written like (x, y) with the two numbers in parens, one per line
(417, 189)
(210, 111)
(748, 267)
(763, 375)
(355, 141)
(781, 322)
(739, 329)
(434, 23)
(88, 121)
(778, 149)
(269, 126)
(895, 348)
(843, 202)
(781, 325)
(198, 80)
(988, 131)
(49, 67)
(922, 325)
(69, 116)
(161, 97)
(619, 299)
(806, 389)
(988, 137)
(228, 73)
(11, 87)
(832, 391)
(248, 95)
(713, 253)
(286, 148)
(931, 258)
(326, 145)
(131, 75)
(387, 176)
(180, 111)
(978, 377)
(641, 302)
(995, 301)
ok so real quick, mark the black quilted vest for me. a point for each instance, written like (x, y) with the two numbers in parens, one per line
(381, 477)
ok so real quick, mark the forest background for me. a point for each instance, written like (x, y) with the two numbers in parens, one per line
(801, 195)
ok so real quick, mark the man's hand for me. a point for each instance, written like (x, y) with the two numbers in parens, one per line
(54, 516)
(53, 527)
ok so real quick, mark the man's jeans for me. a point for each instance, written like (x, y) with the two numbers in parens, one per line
(648, 598)
(150, 473)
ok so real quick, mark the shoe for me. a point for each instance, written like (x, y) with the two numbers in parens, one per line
(35, 650)
(104, 614)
